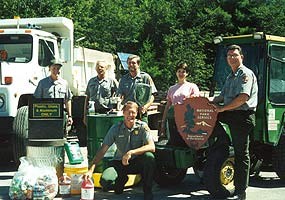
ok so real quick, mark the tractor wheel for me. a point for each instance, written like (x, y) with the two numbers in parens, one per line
(20, 129)
(219, 173)
(278, 158)
(169, 176)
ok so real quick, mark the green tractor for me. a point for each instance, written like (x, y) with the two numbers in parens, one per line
(265, 55)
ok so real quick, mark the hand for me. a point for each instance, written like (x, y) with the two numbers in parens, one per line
(87, 175)
(142, 109)
(162, 137)
(126, 158)
(219, 109)
(69, 121)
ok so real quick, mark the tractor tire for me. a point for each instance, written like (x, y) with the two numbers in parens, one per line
(20, 129)
(219, 173)
(278, 158)
(169, 176)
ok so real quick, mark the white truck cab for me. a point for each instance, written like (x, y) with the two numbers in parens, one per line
(27, 47)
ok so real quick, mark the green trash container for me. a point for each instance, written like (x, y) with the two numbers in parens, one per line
(97, 128)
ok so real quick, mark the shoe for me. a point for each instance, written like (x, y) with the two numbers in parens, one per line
(120, 185)
(240, 196)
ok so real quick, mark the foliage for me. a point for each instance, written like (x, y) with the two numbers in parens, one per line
(162, 32)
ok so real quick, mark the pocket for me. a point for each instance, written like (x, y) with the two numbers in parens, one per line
(62, 92)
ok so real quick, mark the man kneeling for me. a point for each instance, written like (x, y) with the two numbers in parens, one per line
(134, 153)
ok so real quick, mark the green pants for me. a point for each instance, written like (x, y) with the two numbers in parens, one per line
(143, 164)
(241, 124)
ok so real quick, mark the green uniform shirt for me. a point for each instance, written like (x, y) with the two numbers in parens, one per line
(100, 91)
(127, 139)
(127, 85)
(242, 81)
(48, 88)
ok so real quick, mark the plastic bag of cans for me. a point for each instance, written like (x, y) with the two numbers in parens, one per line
(33, 182)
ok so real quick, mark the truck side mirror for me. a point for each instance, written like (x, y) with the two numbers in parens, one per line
(65, 50)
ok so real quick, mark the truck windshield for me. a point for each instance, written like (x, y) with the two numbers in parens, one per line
(253, 59)
(17, 47)
(277, 74)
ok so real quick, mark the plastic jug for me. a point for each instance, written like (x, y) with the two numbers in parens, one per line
(73, 152)
(87, 190)
(64, 184)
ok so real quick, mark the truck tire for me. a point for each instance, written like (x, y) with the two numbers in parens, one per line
(219, 173)
(169, 176)
(20, 129)
(278, 158)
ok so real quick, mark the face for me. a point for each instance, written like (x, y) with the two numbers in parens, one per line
(130, 114)
(133, 66)
(234, 58)
(181, 74)
(101, 68)
(54, 70)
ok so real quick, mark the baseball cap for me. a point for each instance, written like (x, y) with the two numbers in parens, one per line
(56, 62)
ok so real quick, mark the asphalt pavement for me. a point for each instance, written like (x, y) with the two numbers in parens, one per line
(265, 186)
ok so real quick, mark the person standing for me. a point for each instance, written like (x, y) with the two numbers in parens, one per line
(239, 98)
(176, 95)
(100, 89)
(54, 86)
(134, 154)
(128, 83)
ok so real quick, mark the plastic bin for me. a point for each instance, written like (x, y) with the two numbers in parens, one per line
(49, 152)
(97, 128)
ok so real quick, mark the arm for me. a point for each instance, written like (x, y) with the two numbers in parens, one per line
(235, 103)
(149, 147)
(144, 108)
(68, 110)
(162, 130)
(85, 109)
(97, 158)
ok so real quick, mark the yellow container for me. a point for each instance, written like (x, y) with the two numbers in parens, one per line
(75, 172)
(133, 180)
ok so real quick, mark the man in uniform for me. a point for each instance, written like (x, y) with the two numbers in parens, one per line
(128, 84)
(239, 96)
(100, 89)
(54, 86)
(134, 153)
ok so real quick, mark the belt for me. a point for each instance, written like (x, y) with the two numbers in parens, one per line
(249, 112)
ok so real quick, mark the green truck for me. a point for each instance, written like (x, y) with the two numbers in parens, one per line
(265, 55)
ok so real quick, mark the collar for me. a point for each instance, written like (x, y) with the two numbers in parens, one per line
(135, 126)
(58, 81)
(237, 71)
(137, 76)
(102, 80)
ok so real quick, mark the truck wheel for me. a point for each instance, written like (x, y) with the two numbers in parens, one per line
(169, 176)
(20, 129)
(278, 158)
(219, 173)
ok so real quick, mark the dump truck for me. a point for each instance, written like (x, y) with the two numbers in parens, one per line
(27, 46)
(265, 55)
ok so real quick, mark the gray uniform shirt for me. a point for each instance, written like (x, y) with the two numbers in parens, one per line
(127, 85)
(127, 139)
(100, 91)
(242, 81)
(48, 88)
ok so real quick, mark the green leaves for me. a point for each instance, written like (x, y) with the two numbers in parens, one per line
(162, 32)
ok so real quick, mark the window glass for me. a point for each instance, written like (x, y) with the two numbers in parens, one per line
(18, 48)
